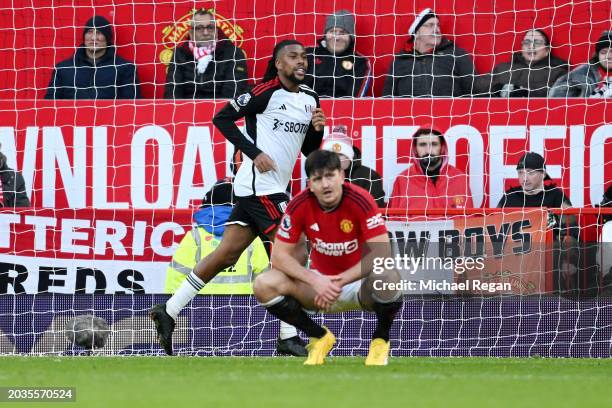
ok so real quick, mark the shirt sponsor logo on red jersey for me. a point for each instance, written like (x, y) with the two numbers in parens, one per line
(375, 221)
(335, 248)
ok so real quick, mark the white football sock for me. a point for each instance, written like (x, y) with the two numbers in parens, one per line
(287, 331)
(188, 290)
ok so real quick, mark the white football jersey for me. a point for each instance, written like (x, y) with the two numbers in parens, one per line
(278, 122)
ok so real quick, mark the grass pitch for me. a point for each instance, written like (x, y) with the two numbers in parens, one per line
(176, 382)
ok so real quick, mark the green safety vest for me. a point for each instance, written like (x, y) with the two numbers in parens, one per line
(237, 279)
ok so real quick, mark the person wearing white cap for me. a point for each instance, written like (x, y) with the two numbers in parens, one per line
(335, 69)
(350, 159)
(430, 65)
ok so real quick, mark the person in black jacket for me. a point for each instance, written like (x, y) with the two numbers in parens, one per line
(433, 66)
(537, 190)
(95, 71)
(532, 71)
(350, 159)
(208, 65)
(12, 186)
(335, 69)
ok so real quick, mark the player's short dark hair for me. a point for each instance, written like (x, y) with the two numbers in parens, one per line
(320, 160)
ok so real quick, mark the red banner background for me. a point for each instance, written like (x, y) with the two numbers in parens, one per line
(166, 155)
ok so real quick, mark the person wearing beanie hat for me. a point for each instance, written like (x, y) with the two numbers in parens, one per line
(430, 65)
(430, 181)
(339, 142)
(335, 69)
(533, 191)
(591, 80)
(95, 71)
(433, 27)
(342, 19)
(208, 65)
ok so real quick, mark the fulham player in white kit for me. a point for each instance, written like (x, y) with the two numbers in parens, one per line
(347, 233)
(282, 118)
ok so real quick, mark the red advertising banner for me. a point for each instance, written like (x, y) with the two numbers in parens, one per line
(163, 155)
(87, 250)
(128, 251)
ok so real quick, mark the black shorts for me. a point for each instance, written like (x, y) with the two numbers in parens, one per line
(261, 213)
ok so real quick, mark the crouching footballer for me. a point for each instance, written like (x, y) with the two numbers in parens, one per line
(347, 232)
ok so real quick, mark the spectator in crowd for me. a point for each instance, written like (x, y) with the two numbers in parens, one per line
(430, 181)
(533, 191)
(592, 80)
(95, 71)
(531, 72)
(335, 69)
(350, 159)
(536, 190)
(208, 65)
(433, 67)
(12, 186)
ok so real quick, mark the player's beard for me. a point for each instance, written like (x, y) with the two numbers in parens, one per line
(294, 79)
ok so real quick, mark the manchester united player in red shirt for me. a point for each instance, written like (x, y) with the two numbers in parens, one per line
(347, 232)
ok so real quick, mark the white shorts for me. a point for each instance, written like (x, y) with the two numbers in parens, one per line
(348, 299)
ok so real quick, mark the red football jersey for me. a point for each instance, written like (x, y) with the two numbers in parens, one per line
(336, 236)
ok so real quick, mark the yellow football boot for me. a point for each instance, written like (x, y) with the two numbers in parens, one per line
(379, 353)
(318, 348)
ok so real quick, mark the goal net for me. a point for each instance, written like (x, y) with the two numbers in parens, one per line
(114, 171)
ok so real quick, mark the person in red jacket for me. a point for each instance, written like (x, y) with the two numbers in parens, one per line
(429, 181)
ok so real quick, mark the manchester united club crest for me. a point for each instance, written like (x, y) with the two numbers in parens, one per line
(459, 201)
(346, 226)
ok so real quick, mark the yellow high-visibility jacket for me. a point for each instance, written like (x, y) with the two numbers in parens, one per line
(236, 279)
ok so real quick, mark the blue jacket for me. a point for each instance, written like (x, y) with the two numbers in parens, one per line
(111, 77)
